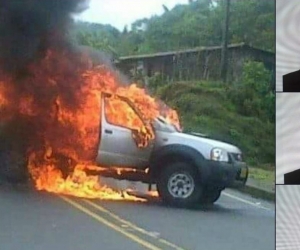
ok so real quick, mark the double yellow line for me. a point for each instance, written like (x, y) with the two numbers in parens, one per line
(112, 220)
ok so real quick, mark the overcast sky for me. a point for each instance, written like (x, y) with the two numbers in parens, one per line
(124, 12)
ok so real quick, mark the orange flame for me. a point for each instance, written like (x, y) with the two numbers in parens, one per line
(70, 126)
(49, 178)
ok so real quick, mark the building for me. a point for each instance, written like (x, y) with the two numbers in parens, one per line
(197, 63)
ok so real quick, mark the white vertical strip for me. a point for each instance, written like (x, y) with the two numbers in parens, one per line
(287, 133)
(287, 38)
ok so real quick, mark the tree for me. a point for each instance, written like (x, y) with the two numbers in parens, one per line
(198, 23)
(101, 37)
(166, 9)
(224, 59)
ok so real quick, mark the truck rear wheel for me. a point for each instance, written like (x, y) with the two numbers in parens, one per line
(65, 164)
(14, 140)
(178, 185)
(13, 167)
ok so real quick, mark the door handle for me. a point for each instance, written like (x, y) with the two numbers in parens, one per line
(107, 131)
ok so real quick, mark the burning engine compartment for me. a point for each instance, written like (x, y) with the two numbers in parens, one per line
(50, 100)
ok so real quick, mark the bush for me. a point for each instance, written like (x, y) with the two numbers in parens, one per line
(254, 96)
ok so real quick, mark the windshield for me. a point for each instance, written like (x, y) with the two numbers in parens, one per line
(161, 124)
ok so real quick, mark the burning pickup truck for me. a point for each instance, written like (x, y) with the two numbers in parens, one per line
(187, 169)
(133, 142)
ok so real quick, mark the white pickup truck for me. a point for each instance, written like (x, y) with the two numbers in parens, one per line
(187, 169)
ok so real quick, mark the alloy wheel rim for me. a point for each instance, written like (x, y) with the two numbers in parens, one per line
(181, 185)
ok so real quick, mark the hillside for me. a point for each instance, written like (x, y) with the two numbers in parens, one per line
(206, 109)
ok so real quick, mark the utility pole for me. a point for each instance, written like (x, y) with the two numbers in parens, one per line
(224, 56)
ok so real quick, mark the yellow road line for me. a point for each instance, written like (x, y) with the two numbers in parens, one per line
(111, 225)
(131, 225)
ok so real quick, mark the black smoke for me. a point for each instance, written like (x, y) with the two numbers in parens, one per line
(39, 59)
(29, 27)
(28, 30)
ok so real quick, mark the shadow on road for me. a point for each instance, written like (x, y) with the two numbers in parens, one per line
(156, 202)
(151, 201)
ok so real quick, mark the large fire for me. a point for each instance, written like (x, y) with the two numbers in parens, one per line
(50, 99)
(64, 111)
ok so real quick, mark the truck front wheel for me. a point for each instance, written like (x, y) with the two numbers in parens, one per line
(179, 185)
(210, 196)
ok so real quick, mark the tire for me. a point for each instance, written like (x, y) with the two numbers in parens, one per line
(65, 165)
(210, 196)
(13, 167)
(14, 139)
(178, 185)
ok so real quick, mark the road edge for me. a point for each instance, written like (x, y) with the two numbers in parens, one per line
(257, 192)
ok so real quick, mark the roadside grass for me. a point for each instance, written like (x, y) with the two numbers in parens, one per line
(261, 183)
(262, 175)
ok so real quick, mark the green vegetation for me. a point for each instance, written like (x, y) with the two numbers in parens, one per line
(262, 179)
(198, 23)
(98, 36)
(262, 175)
(242, 114)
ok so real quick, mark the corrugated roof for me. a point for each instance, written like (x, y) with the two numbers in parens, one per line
(197, 49)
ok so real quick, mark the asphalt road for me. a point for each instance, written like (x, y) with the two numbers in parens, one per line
(32, 220)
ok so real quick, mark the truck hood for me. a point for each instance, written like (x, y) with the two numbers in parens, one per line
(170, 133)
(188, 139)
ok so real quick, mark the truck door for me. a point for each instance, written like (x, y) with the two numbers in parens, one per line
(119, 125)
